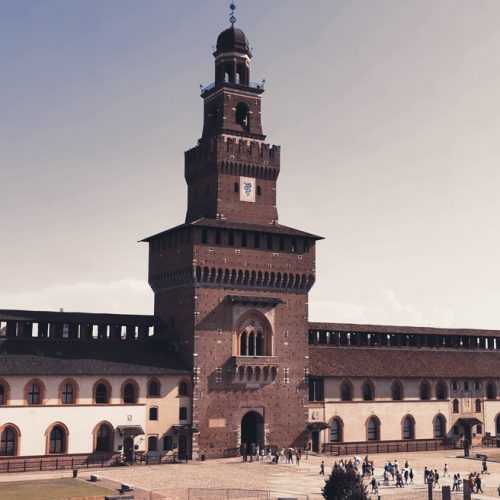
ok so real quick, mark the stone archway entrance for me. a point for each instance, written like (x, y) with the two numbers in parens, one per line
(252, 430)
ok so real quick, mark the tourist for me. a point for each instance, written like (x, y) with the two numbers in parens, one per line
(297, 458)
(406, 475)
(436, 479)
(375, 486)
(426, 475)
(485, 466)
(445, 471)
(477, 483)
(459, 479)
(455, 483)
(322, 468)
(411, 476)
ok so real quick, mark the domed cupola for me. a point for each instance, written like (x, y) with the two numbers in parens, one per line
(232, 40)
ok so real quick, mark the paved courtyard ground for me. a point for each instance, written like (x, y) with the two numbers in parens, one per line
(305, 479)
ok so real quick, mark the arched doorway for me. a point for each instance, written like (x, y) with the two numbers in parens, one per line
(128, 449)
(252, 430)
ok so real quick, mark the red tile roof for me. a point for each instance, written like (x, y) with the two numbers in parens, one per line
(402, 362)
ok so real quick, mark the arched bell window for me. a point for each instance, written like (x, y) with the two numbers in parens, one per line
(243, 115)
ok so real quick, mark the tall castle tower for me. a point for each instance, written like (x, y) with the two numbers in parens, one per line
(231, 284)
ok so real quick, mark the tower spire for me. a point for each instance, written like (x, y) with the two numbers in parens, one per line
(232, 18)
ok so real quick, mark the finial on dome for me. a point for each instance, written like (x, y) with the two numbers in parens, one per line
(232, 18)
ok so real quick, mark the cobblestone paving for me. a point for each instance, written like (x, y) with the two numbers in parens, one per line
(232, 473)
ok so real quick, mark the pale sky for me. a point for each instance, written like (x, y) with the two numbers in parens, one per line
(387, 112)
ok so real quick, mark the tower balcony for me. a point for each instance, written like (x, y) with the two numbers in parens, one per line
(259, 87)
(254, 371)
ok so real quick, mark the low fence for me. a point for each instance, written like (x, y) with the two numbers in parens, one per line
(80, 462)
(387, 447)
(225, 494)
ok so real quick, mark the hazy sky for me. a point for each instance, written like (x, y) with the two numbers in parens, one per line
(387, 111)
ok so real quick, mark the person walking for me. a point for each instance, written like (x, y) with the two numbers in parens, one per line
(445, 471)
(436, 479)
(322, 468)
(297, 458)
(485, 466)
(455, 483)
(478, 484)
(411, 476)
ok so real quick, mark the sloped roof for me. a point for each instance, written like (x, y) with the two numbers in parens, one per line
(402, 362)
(239, 226)
(86, 357)
(411, 330)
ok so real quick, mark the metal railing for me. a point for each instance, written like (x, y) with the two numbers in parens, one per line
(252, 85)
(387, 447)
(73, 463)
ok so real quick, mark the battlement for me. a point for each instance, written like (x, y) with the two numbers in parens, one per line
(242, 155)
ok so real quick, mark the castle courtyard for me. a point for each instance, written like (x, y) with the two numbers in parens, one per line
(174, 481)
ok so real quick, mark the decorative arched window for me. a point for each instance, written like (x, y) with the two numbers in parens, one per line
(491, 390)
(183, 389)
(373, 429)
(57, 440)
(183, 413)
(130, 392)
(153, 388)
(346, 391)
(441, 390)
(104, 438)
(478, 406)
(67, 392)
(397, 391)
(455, 406)
(439, 426)
(34, 393)
(102, 393)
(336, 431)
(243, 115)
(8, 441)
(254, 335)
(425, 391)
(408, 427)
(368, 391)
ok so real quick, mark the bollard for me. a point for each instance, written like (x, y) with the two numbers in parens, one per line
(467, 491)
(429, 491)
(446, 492)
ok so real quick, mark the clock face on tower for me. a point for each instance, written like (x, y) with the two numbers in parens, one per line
(247, 189)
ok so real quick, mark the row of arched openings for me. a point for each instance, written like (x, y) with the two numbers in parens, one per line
(373, 428)
(253, 278)
(397, 391)
(35, 391)
(57, 439)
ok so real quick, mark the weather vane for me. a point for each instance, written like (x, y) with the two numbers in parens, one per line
(232, 18)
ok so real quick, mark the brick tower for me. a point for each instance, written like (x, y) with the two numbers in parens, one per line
(231, 283)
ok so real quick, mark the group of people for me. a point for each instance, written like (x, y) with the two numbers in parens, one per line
(402, 476)
(253, 452)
